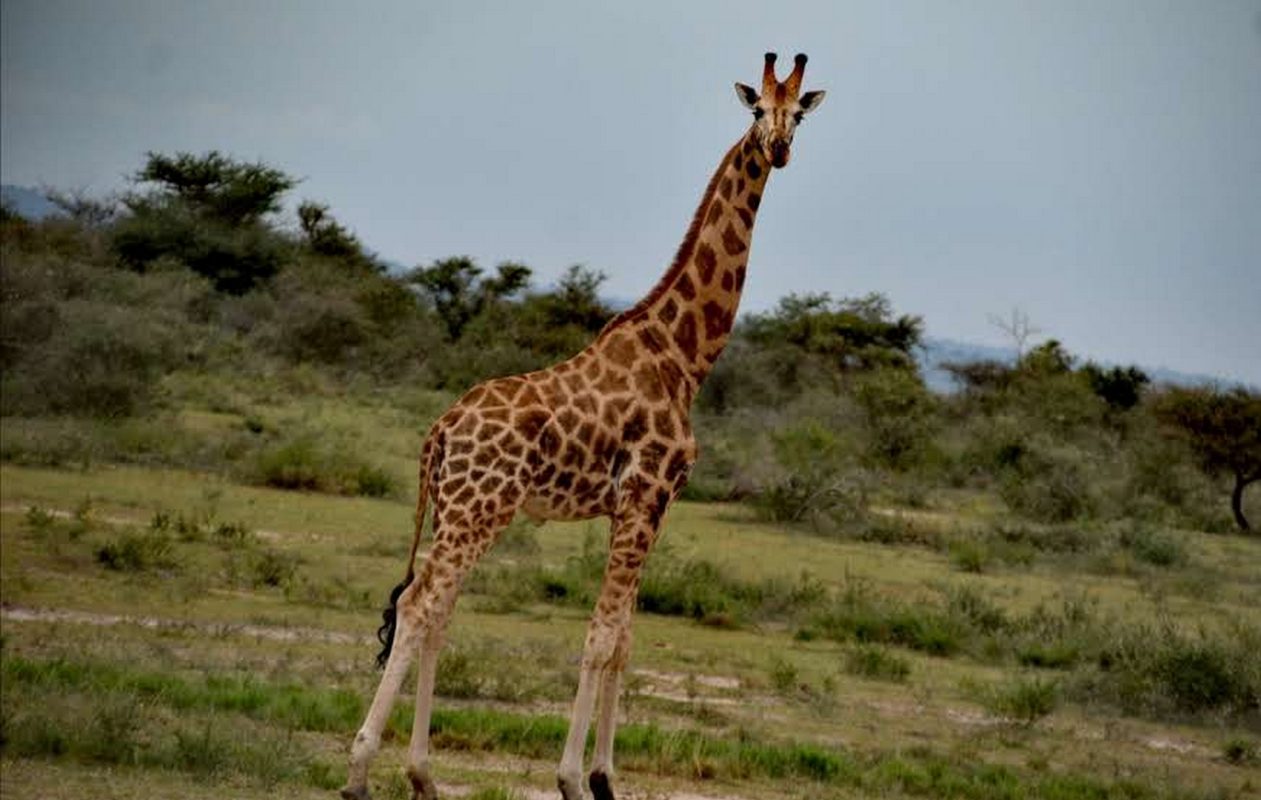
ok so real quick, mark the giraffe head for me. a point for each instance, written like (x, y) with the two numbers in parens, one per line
(779, 109)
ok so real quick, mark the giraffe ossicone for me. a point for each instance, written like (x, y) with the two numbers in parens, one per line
(604, 433)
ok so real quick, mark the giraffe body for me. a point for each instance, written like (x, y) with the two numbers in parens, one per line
(604, 433)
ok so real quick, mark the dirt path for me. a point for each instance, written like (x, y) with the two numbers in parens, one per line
(271, 632)
(61, 513)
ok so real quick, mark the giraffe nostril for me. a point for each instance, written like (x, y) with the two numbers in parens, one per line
(779, 154)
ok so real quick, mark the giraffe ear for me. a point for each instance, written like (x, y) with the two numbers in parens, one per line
(811, 100)
(747, 95)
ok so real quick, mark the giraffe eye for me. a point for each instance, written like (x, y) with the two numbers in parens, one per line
(757, 113)
(799, 116)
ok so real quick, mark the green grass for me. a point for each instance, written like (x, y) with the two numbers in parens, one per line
(878, 646)
(121, 730)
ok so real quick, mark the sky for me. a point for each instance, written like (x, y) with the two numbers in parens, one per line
(1094, 164)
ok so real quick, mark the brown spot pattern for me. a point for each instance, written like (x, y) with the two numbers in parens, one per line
(706, 262)
(731, 241)
(685, 335)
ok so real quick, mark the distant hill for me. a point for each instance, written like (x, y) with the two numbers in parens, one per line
(936, 352)
(27, 202)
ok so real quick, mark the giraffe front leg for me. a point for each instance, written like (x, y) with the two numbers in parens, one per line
(604, 657)
(601, 778)
(598, 650)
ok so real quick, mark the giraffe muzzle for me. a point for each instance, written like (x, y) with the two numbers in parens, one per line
(779, 154)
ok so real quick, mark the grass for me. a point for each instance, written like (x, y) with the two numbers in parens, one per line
(1023, 700)
(878, 647)
(877, 663)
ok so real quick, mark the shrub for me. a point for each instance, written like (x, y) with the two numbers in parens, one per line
(138, 551)
(784, 675)
(1162, 671)
(1240, 751)
(969, 555)
(1024, 701)
(99, 360)
(869, 661)
(899, 415)
(1048, 488)
(857, 615)
(1052, 655)
(270, 567)
(1159, 548)
(303, 463)
(813, 484)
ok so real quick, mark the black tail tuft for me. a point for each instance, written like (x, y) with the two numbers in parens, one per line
(389, 619)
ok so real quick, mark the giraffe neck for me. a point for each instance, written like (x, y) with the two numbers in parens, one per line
(697, 298)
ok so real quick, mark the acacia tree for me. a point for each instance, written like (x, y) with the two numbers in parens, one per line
(854, 334)
(1223, 429)
(208, 212)
(459, 293)
(326, 236)
(217, 186)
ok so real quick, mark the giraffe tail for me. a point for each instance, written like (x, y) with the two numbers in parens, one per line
(429, 457)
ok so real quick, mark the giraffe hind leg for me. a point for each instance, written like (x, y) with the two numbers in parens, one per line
(444, 576)
(368, 739)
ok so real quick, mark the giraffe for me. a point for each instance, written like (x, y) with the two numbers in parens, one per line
(605, 433)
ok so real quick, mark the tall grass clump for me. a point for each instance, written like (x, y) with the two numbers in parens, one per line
(1162, 671)
(877, 663)
(139, 551)
(1023, 700)
(859, 615)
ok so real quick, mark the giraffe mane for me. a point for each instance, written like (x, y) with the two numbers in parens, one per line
(681, 257)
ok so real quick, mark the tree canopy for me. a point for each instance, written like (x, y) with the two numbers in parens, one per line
(1223, 428)
(853, 333)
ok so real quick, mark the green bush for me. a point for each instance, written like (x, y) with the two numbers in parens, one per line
(139, 551)
(1024, 700)
(814, 483)
(1241, 751)
(861, 617)
(1159, 548)
(1048, 487)
(100, 360)
(900, 416)
(305, 464)
(1163, 671)
(870, 661)
(969, 555)
(271, 567)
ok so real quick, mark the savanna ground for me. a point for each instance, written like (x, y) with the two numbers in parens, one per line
(174, 634)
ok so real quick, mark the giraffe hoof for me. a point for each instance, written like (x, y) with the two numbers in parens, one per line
(355, 793)
(601, 786)
(423, 787)
(570, 787)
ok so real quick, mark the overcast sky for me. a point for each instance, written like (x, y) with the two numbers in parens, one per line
(1096, 164)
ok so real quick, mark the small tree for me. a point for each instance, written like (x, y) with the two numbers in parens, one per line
(327, 237)
(1223, 429)
(852, 333)
(460, 293)
(216, 186)
(209, 213)
(1120, 388)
